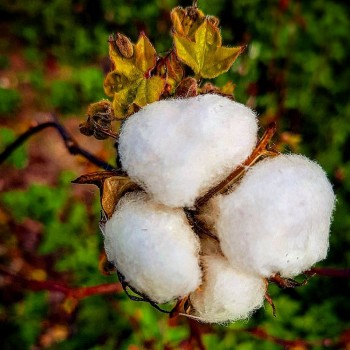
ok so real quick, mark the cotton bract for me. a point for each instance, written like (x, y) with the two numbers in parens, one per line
(153, 247)
(227, 294)
(277, 219)
(178, 149)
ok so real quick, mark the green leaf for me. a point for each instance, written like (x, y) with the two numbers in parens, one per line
(205, 55)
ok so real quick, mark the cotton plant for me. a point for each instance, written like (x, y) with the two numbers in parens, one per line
(201, 212)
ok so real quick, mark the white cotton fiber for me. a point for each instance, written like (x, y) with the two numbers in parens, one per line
(226, 294)
(178, 149)
(153, 247)
(277, 219)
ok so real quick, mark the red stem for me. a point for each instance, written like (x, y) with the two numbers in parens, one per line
(329, 272)
(107, 288)
(54, 286)
(262, 334)
(196, 333)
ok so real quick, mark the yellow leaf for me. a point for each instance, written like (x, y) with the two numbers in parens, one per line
(124, 67)
(139, 92)
(228, 88)
(114, 82)
(149, 90)
(143, 59)
(145, 54)
(123, 98)
(130, 83)
(205, 55)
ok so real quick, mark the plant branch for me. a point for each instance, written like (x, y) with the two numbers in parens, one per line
(287, 344)
(319, 271)
(329, 272)
(54, 286)
(260, 151)
(71, 145)
(196, 333)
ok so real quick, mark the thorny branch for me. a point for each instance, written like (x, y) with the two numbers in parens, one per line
(71, 145)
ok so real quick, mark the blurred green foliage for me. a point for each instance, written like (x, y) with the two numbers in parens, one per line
(82, 88)
(9, 101)
(295, 70)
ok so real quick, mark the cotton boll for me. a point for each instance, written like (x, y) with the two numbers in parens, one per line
(277, 220)
(153, 247)
(178, 149)
(226, 294)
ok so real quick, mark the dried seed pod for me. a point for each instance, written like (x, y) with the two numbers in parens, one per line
(86, 128)
(187, 88)
(124, 45)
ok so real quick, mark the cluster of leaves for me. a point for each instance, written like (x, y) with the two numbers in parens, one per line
(294, 71)
(140, 76)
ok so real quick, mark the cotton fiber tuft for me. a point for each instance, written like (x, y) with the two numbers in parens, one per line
(153, 247)
(178, 149)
